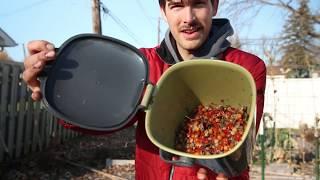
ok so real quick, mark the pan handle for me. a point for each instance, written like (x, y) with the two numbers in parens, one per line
(181, 161)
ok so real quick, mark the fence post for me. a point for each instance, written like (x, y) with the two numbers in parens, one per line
(28, 126)
(14, 74)
(21, 117)
(316, 135)
(3, 108)
(36, 117)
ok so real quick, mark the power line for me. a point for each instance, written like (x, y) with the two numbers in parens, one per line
(159, 31)
(145, 13)
(120, 23)
(150, 20)
(262, 39)
(24, 8)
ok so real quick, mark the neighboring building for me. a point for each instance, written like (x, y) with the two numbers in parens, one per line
(279, 71)
(6, 40)
(276, 71)
(4, 56)
(292, 101)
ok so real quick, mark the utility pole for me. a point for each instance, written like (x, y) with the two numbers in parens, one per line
(159, 30)
(316, 135)
(24, 51)
(266, 118)
(263, 155)
(96, 17)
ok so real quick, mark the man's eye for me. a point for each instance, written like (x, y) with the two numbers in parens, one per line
(200, 3)
(175, 6)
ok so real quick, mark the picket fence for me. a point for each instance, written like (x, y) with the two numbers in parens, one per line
(25, 126)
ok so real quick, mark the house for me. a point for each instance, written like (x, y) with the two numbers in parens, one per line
(6, 40)
(292, 101)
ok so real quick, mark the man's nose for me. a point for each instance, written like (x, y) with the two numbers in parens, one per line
(189, 16)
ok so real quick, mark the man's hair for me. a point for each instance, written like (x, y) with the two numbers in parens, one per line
(163, 2)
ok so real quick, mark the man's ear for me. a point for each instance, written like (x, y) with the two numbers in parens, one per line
(163, 13)
(215, 6)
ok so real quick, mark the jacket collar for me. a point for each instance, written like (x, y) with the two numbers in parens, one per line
(211, 49)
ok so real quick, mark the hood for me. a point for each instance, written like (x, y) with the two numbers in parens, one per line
(211, 49)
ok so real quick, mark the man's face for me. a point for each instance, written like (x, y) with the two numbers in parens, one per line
(189, 21)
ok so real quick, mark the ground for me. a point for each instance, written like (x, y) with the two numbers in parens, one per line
(89, 157)
(84, 157)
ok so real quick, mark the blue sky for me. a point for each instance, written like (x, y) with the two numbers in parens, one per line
(58, 20)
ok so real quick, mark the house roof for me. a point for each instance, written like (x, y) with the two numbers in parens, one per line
(275, 70)
(6, 40)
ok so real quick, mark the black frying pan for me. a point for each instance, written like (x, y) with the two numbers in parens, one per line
(95, 82)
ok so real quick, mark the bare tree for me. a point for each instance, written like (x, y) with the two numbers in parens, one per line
(241, 7)
(244, 11)
(269, 52)
(235, 41)
(4, 56)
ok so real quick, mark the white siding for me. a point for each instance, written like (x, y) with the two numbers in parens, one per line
(292, 101)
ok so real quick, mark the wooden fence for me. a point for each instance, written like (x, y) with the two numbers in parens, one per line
(25, 126)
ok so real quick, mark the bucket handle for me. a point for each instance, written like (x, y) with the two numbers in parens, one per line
(181, 161)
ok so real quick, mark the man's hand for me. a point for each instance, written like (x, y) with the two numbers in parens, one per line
(221, 177)
(39, 53)
(202, 175)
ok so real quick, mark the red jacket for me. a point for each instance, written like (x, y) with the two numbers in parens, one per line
(148, 164)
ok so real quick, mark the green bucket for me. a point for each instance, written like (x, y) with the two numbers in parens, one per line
(187, 84)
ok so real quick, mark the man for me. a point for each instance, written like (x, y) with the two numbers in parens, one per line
(192, 34)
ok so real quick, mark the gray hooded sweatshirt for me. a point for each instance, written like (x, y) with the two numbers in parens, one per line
(211, 49)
